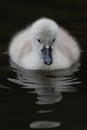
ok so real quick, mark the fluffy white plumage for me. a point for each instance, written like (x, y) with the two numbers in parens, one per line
(25, 47)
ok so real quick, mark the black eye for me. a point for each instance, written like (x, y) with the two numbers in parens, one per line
(39, 40)
(53, 40)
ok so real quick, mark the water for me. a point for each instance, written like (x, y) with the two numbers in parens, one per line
(43, 99)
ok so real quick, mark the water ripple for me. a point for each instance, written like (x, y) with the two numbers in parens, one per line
(48, 85)
(44, 124)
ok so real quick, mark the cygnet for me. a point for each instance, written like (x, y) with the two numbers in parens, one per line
(44, 45)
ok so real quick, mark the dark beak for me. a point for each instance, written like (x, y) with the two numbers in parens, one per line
(47, 55)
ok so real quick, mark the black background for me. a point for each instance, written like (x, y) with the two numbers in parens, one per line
(16, 14)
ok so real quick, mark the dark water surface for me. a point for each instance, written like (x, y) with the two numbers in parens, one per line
(43, 99)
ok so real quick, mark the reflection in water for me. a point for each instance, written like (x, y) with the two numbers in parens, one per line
(44, 124)
(48, 85)
(49, 98)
